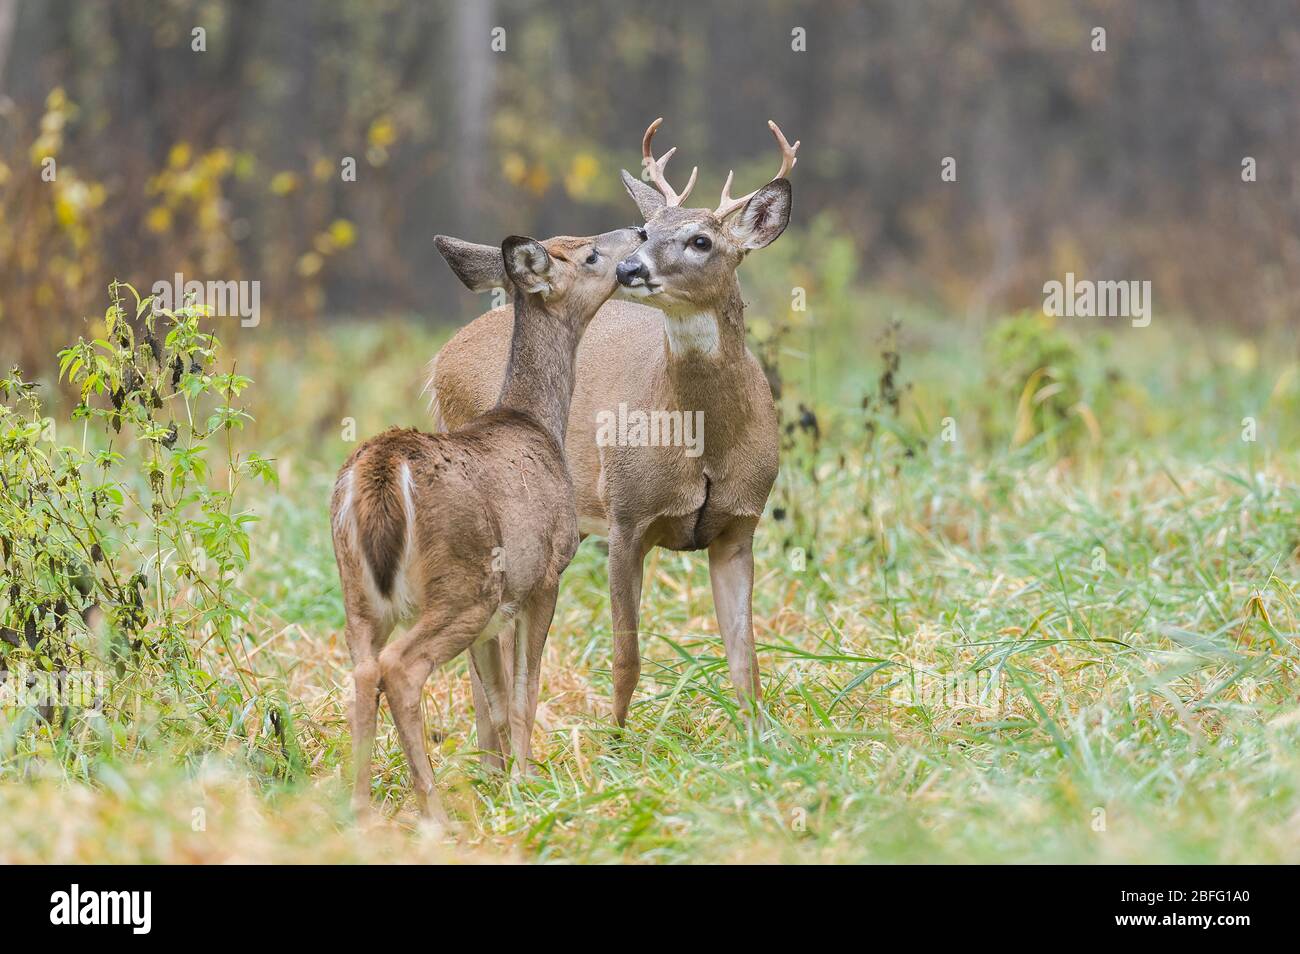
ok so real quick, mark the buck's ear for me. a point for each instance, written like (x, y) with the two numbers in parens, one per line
(527, 264)
(764, 217)
(479, 267)
(647, 198)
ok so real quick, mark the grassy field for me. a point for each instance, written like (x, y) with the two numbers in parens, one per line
(1036, 601)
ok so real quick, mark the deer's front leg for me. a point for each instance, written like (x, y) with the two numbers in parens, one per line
(488, 742)
(731, 573)
(626, 566)
(490, 677)
(492, 744)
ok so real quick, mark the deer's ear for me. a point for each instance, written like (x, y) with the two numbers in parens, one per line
(479, 267)
(527, 264)
(647, 198)
(764, 217)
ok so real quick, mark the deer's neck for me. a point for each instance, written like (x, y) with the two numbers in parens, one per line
(539, 377)
(715, 334)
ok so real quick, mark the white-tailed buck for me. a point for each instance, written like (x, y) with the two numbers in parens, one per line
(459, 533)
(684, 355)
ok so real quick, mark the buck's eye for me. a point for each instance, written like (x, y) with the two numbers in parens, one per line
(591, 259)
(702, 243)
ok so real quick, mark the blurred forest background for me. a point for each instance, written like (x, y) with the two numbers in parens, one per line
(228, 163)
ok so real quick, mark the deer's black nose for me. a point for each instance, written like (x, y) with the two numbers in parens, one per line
(640, 232)
(630, 269)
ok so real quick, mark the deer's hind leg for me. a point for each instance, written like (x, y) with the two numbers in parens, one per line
(442, 631)
(366, 637)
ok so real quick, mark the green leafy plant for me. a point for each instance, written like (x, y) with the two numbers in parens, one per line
(121, 551)
(1040, 369)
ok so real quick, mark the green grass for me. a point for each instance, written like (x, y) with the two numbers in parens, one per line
(1123, 602)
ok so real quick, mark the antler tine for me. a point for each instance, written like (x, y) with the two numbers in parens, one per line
(656, 167)
(727, 205)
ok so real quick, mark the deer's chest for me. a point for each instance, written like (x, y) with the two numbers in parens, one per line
(699, 497)
(692, 531)
(678, 477)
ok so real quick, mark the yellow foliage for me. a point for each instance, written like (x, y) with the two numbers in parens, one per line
(74, 197)
(538, 180)
(342, 233)
(53, 122)
(45, 146)
(382, 132)
(179, 156)
(310, 264)
(159, 219)
(583, 173)
(210, 216)
(58, 110)
(218, 162)
(514, 167)
(282, 183)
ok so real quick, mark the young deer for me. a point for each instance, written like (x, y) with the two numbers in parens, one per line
(686, 353)
(459, 533)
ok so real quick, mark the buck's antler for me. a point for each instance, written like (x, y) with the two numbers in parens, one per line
(656, 167)
(788, 159)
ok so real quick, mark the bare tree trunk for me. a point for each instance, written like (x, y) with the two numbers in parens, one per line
(8, 17)
(472, 78)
